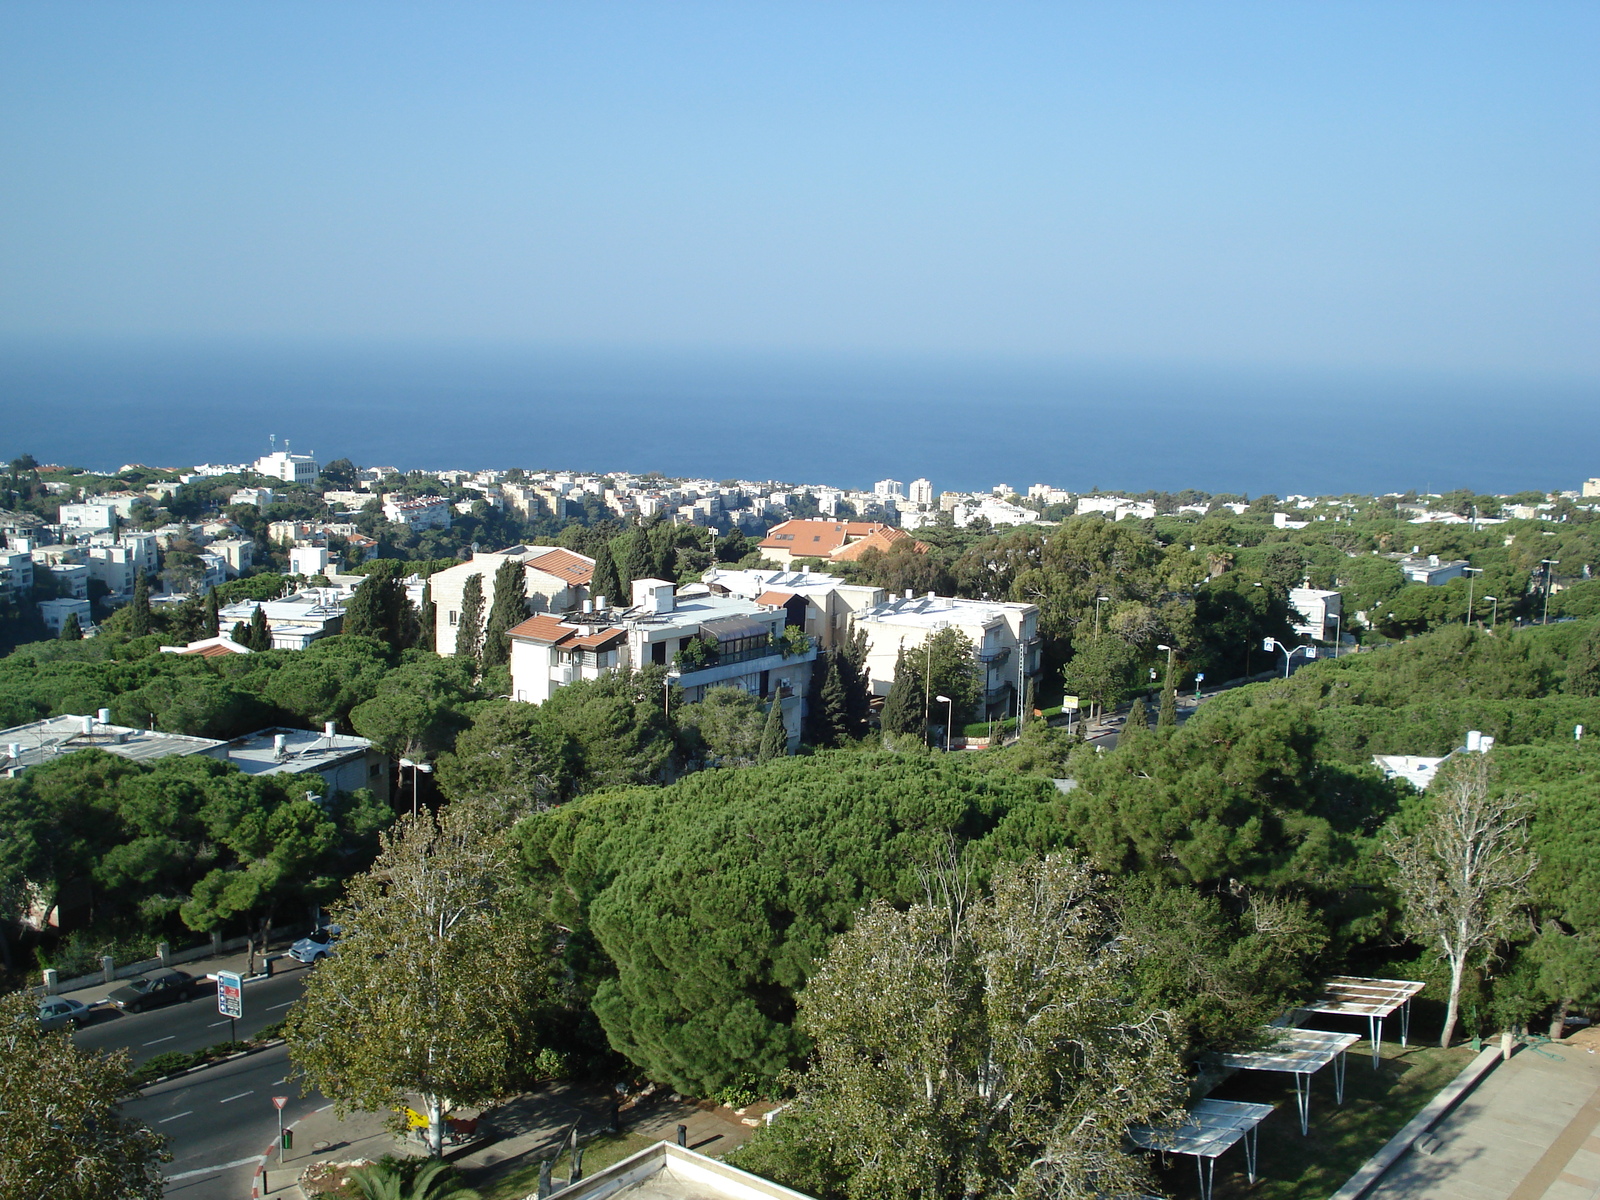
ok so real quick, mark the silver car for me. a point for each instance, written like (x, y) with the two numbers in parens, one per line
(58, 1012)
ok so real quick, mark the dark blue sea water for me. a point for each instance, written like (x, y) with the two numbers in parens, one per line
(963, 424)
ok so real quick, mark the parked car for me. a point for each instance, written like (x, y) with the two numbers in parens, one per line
(317, 945)
(58, 1012)
(153, 989)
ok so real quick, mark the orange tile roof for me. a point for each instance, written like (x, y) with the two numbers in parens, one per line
(212, 652)
(776, 599)
(816, 539)
(882, 540)
(564, 564)
(542, 628)
(600, 640)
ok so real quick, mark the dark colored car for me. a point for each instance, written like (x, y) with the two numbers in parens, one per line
(153, 989)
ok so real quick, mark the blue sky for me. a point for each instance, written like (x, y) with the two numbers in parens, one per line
(1386, 186)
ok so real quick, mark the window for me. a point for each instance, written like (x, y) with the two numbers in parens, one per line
(452, 616)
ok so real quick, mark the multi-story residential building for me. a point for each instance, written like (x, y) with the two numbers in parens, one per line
(295, 620)
(822, 605)
(115, 566)
(921, 493)
(16, 573)
(704, 641)
(555, 580)
(54, 613)
(71, 579)
(891, 488)
(260, 497)
(1431, 569)
(423, 512)
(290, 468)
(312, 560)
(1004, 636)
(88, 517)
(1321, 613)
(238, 553)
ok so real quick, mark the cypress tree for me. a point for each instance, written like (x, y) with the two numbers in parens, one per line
(379, 608)
(815, 730)
(469, 629)
(641, 562)
(510, 606)
(606, 582)
(139, 617)
(1167, 715)
(213, 618)
(836, 704)
(241, 634)
(664, 540)
(426, 618)
(857, 687)
(260, 632)
(71, 631)
(903, 707)
(774, 737)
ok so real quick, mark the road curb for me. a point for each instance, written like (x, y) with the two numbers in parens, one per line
(258, 1180)
(212, 1062)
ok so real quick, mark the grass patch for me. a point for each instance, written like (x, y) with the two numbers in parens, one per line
(1377, 1104)
(599, 1152)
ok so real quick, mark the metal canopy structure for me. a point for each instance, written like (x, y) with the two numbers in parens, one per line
(1298, 1052)
(1374, 999)
(1211, 1128)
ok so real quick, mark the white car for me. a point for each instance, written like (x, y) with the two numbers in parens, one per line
(320, 944)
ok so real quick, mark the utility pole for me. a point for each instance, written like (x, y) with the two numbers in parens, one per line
(1547, 563)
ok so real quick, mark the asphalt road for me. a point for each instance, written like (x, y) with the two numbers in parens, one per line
(191, 1024)
(220, 1121)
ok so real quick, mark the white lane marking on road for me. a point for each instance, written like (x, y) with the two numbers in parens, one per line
(240, 1162)
(214, 1024)
(240, 1096)
(158, 1041)
(276, 1082)
(285, 1004)
(175, 1116)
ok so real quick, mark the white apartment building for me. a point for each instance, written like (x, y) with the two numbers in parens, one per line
(16, 572)
(554, 579)
(115, 566)
(295, 620)
(1002, 635)
(548, 652)
(144, 548)
(1321, 613)
(260, 497)
(823, 605)
(54, 614)
(238, 553)
(291, 468)
(311, 560)
(72, 579)
(921, 493)
(891, 488)
(424, 512)
(89, 516)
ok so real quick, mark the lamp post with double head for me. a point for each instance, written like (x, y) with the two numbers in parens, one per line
(1271, 644)
(425, 768)
(1470, 573)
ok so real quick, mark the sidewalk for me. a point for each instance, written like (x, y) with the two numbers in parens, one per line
(528, 1130)
(1527, 1132)
(96, 993)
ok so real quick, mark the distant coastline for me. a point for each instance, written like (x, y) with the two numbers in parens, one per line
(847, 423)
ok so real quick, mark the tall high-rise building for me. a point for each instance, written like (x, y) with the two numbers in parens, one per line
(922, 493)
(889, 487)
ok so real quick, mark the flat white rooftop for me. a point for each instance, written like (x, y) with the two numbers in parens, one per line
(26, 746)
(300, 750)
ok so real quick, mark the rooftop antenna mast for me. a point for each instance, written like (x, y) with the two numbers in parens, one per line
(272, 443)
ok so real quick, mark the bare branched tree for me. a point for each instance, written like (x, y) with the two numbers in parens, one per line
(1462, 877)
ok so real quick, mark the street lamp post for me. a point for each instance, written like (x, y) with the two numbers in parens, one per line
(1169, 650)
(1098, 601)
(1547, 563)
(1271, 644)
(949, 718)
(425, 768)
(1493, 612)
(1469, 572)
(1338, 633)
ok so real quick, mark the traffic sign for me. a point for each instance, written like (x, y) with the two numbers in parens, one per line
(280, 1101)
(1069, 703)
(230, 994)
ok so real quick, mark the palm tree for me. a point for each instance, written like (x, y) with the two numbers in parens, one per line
(386, 1180)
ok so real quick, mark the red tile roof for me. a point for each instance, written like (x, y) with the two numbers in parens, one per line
(564, 564)
(600, 640)
(776, 599)
(882, 540)
(543, 628)
(816, 539)
(213, 652)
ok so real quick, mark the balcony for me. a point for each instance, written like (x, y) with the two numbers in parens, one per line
(994, 656)
(734, 666)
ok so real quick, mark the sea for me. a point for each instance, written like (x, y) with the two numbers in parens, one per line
(847, 421)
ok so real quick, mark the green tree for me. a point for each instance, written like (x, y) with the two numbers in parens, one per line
(260, 635)
(430, 932)
(427, 619)
(1583, 670)
(511, 755)
(240, 634)
(509, 608)
(904, 708)
(71, 631)
(1101, 673)
(606, 581)
(1167, 717)
(213, 614)
(139, 609)
(697, 910)
(64, 1136)
(1569, 971)
(977, 1045)
(379, 607)
(641, 559)
(469, 628)
(418, 708)
(728, 724)
(340, 475)
(774, 737)
(389, 1180)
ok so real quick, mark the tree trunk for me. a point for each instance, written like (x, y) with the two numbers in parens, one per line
(1558, 1023)
(1451, 1008)
(434, 1109)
